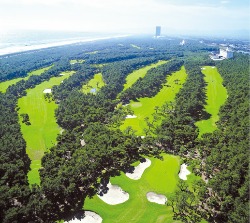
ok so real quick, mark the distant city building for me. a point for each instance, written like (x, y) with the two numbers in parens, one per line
(226, 53)
(158, 31)
(182, 42)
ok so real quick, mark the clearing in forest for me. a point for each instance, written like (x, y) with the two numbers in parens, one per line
(146, 107)
(216, 96)
(134, 76)
(160, 177)
(41, 134)
(76, 61)
(94, 85)
(92, 52)
(4, 85)
(135, 46)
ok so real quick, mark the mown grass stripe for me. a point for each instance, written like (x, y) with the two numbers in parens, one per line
(216, 96)
(4, 85)
(41, 134)
(95, 83)
(145, 107)
(134, 76)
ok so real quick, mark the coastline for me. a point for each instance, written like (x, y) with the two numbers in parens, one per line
(20, 49)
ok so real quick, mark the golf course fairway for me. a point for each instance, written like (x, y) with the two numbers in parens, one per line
(42, 132)
(216, 96)
(4, 85)
(161, 177)
(145, 107)
(95, 84)
(134, 76)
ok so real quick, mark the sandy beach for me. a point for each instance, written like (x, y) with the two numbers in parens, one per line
(20, 49)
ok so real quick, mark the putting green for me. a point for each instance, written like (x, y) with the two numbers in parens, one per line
(4, 85)
(161, 177)
(216, 96)
(95, 83)
(145, 107)
(41, 134)
(134, 76)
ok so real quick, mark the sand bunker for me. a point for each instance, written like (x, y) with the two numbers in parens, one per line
(90, 217)
(62, 74)
(156, 198)
(131, 116)
(138, 171)
(115, 195)
(184, 172)
(83, 143)
(47, 91)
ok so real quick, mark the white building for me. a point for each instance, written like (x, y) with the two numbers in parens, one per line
(226, 53)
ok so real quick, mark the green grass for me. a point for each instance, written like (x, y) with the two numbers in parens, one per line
(93, 52)
(145, 107)
(216, 96)
(4, 85)
(161, 177)
(76, 61)
(96, 82)
(134, 76)
(41, 134)
(137, 47)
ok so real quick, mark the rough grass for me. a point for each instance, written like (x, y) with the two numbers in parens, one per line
(4, 85)
(96, 82)
(216, 96)
(41, 134)
(145, 107)
(161, 177)
(134, 76)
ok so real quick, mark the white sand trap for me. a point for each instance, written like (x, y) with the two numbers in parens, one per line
(115, 195)
(213, 67)
(90, 217)
(131, 116)
(83, 143)
(142, 137)
(47, 90)
(138, 171)
(156, 198)
(184, 172)
(62, 74)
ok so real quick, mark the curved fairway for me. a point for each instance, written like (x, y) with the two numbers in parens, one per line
(4, 85)
(41, 134)
(161, 177)
(95, 83)
(216, 97)
(135, 46)
(134, 76)
(145, 107)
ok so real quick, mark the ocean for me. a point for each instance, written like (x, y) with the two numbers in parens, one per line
(20, 41)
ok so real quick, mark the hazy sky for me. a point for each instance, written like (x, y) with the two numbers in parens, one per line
(131, 16)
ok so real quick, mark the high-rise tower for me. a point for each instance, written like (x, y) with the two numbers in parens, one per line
(157, 31)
